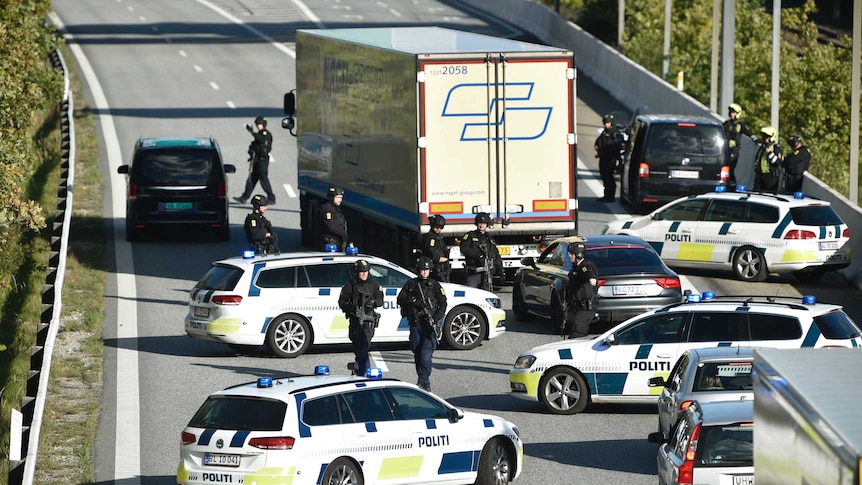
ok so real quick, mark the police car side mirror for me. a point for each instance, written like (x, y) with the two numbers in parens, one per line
(454, 415)
(656, 382)
(611, 340)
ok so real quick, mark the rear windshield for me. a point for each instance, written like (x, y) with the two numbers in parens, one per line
(815, 215)
(240, 413)
(175, 167)
(723, 376)
(837, 325)
(612, 260)
(690, 139)
(220, 277)
(725, 446)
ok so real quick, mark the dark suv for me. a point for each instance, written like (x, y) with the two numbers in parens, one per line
(176, 182)
(670, 156)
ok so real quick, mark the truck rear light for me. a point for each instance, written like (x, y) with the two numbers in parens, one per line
(686, 470)
(133, 192)
(643, 170)
(187, 438)
(273, 443)
(668, 282)
(725, 174)
(227, 299)
(800, 234)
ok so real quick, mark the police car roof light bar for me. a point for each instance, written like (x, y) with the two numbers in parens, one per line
(693, 298)
(247, 254)
(742, 188)
(708, 295)
(809, 299)
(720, 188)
(374, 373)
(263, 382)
(351, 250)
(330, 248)
(798, 195)
(321, 370)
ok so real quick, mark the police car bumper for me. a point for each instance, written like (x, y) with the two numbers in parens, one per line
(524, 384)
(222, 330)
(497, 323)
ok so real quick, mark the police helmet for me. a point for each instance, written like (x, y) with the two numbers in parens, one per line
(260, 120)
(768, 132)
(483, 217)
(735, 108)
(259, 201)
(794, 140)
(334, 191)
(437, 221)
(361, 266)
(578, 249)
(424, 263)
(608, 118)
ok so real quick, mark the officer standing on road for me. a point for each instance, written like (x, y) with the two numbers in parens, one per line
(358, 299)
(423, 303)
(767, 162)
(734, 128)
(333, 225)
(258, 158)
(580, 293)
(795, 164)
(261, 238)
(481, 257)
(435, 248)
(608, 146)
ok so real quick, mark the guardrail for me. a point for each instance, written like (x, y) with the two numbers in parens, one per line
(27, 426)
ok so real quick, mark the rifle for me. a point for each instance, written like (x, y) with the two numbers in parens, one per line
(365, 314)
(489, 264)
(425, 315)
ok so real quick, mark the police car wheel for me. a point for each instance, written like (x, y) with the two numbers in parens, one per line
(342, 471)
(519, 307)
(564, 391)
(464, 328)
(289, 336)
(494, 463)
(749, 264)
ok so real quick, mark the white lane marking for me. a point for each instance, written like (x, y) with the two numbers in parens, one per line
(290, 192)
(395, 12)
(144, 19)
(198, 68)
(231, 105)
(375, 359)
(130, 8)
(182, 53)
(127, 458)
(214, 85)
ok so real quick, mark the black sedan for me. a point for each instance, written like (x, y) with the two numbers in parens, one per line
(632, 279)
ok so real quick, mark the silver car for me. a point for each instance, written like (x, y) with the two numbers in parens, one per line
(705, 374)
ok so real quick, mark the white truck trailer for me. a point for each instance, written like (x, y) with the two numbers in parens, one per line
(807, 420)
(416, 121)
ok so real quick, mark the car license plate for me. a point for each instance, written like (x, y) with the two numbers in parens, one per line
(630, 290)
(743, 480)
(684, 174)
(504, 250)
(177, 206)
(220, 459)
(202, 311)
(828, 245)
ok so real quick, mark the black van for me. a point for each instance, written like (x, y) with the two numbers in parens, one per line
(176, 182)
(670, 156)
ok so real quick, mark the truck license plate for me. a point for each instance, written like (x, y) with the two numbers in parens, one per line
(504, 250)
(220, 459)
(683, 174)
(743, 480)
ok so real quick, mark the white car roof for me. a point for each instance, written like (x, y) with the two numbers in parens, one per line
(284, 387)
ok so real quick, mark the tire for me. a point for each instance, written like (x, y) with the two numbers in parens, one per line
(243, 349)
(558, 315)
(749, 264)
(495, 463)
(564, 391)
(289, 336)
(809, 276)
(342, 471)
(519, 306)
(464, 328)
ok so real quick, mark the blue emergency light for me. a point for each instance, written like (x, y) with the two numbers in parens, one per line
(374, 373)
(247, 254)
(330, 248)
(264, 382)
(351, 250)
(809, 299)
(798, 195)
(321, 370)
(708, 295)
(741, 188)
(693, 298)
(720, 188)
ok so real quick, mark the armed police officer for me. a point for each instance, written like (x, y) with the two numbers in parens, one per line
(481, 257)
(434, 248)
(795, 164)
(734, 128)
(333, 225)
(608, 146)
(258, 230)
(767, 162)
(423, 303)
(358, 299)
(580, 293)
(258, 158)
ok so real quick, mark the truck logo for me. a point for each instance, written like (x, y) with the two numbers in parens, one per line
(525, 122)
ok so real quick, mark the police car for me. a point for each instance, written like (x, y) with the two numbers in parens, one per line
(290, 301)
(616, 367)
(754, 234)
(343, 430)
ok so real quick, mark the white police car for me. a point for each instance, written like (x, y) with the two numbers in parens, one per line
(615, 367)
(754, 234)
(343, 430)
(290, 301)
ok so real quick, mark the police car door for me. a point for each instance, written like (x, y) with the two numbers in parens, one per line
(392, 324)
(645, 348)
(721, 231)
(672, 229)
(318, 286)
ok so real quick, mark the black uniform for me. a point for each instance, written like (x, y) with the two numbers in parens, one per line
(795, 164)
(258, 157)
(481, 259)
(608, 146)
(358, 300)
(580, 299)
(256, 229)
(733, 130)
(767, 168)
(435, 248)
(423, 303)
(333, 225)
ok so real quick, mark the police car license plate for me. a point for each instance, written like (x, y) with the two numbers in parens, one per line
(743, 480)
(504, 250)
(684, 174)
(202, 311)
(176, 206)
(827, 245)
(220, 459)
(630, 290)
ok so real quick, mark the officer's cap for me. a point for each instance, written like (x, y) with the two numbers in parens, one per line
(578, 249)
(794, 140)
(608, 118)
(334, 191)
(483, 217)
(260, 120)
(437, 221)
(259, 201)
(361, 266)
(424, 263)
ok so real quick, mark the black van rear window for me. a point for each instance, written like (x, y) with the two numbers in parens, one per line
(689, 138)
(175, 167)
(837, 325)
(815, 215)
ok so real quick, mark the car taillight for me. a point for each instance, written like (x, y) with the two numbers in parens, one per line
(845, 232)
(222, 190)
(601, 282)
(275, 443)
(668, 282)
(643, 170)
(725, 173)
(227, 299)
(686, 470)
(187, 438)
(133, 192)
(800, 234)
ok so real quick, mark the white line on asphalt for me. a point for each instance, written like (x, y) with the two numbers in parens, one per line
(182, 53)
(290, 192)
(231, 105)
(214, 85)
(375, 359)
(198, 68)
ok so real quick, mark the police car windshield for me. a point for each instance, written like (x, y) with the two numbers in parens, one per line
(240, 413)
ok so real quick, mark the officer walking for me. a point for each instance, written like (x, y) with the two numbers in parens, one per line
(608, 146)
(767, 162)
(734, 128)
(795, 164)
(333, 225)
(580, 293)
(423, 303)
(258, 230)
(358, 299)
(435, 248)
(481, 257)
(258, 157)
